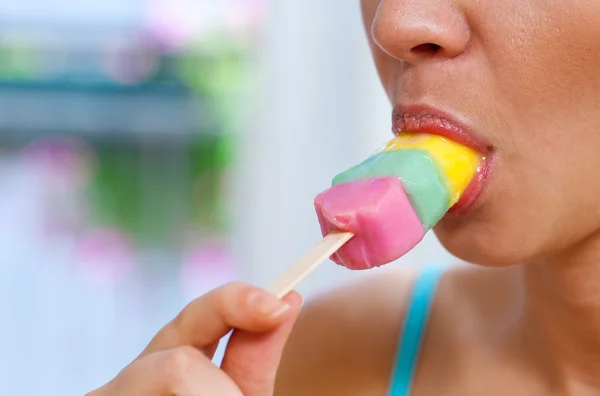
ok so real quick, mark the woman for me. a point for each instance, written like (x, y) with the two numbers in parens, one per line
(522, 77)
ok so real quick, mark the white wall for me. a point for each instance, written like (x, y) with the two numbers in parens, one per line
(323, 110)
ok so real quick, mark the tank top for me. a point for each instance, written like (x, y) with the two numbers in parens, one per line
(415, 324)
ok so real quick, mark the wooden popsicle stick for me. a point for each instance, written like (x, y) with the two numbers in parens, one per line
(309, 262)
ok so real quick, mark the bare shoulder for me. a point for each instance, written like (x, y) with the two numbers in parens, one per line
(350, 332)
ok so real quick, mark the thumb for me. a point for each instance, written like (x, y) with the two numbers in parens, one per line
(252, 360)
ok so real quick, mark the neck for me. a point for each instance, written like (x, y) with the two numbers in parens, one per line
(563, 305)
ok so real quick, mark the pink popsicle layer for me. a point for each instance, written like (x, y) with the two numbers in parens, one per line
(378, 212)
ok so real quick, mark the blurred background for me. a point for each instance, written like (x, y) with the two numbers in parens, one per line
(151, 150)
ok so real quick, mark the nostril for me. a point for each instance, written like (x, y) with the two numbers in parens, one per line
(426, 48)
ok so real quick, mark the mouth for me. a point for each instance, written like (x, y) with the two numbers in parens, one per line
(424, 119)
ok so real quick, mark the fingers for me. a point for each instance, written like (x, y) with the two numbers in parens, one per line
(252, 360)
(182, 371)
(207, 319)
(176, 362)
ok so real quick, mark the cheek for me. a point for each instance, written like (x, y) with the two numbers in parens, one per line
(529, 212)
(544, 62)
(369, 9)
(387, 67)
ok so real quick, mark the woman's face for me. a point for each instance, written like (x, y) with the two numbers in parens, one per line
(524, 75)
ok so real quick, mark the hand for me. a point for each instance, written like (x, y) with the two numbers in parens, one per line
(177, 362)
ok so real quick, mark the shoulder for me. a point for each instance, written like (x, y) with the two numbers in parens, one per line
(349, 332)
(353, 331)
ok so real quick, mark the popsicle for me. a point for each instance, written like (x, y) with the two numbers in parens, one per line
(394, 197)
(378, 210)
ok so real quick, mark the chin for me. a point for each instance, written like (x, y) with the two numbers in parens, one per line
(481, 244)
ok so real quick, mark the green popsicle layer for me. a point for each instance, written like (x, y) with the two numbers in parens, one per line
(423, 180)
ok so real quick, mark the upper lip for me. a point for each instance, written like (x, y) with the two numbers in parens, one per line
(426, 119)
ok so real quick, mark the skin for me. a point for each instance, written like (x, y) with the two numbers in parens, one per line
(177, 362)
(526, 320)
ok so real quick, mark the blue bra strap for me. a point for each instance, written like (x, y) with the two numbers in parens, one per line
(407, 354)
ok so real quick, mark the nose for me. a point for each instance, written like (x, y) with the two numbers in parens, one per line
(417, 30)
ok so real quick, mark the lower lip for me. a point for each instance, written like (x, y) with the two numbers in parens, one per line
(474, 191)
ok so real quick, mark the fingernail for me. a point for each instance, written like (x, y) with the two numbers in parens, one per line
(267, 304)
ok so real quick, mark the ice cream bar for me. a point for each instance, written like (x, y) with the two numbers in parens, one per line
(394, 197)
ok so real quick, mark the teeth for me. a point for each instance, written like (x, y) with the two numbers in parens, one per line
(447, 124)
(413, 122)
